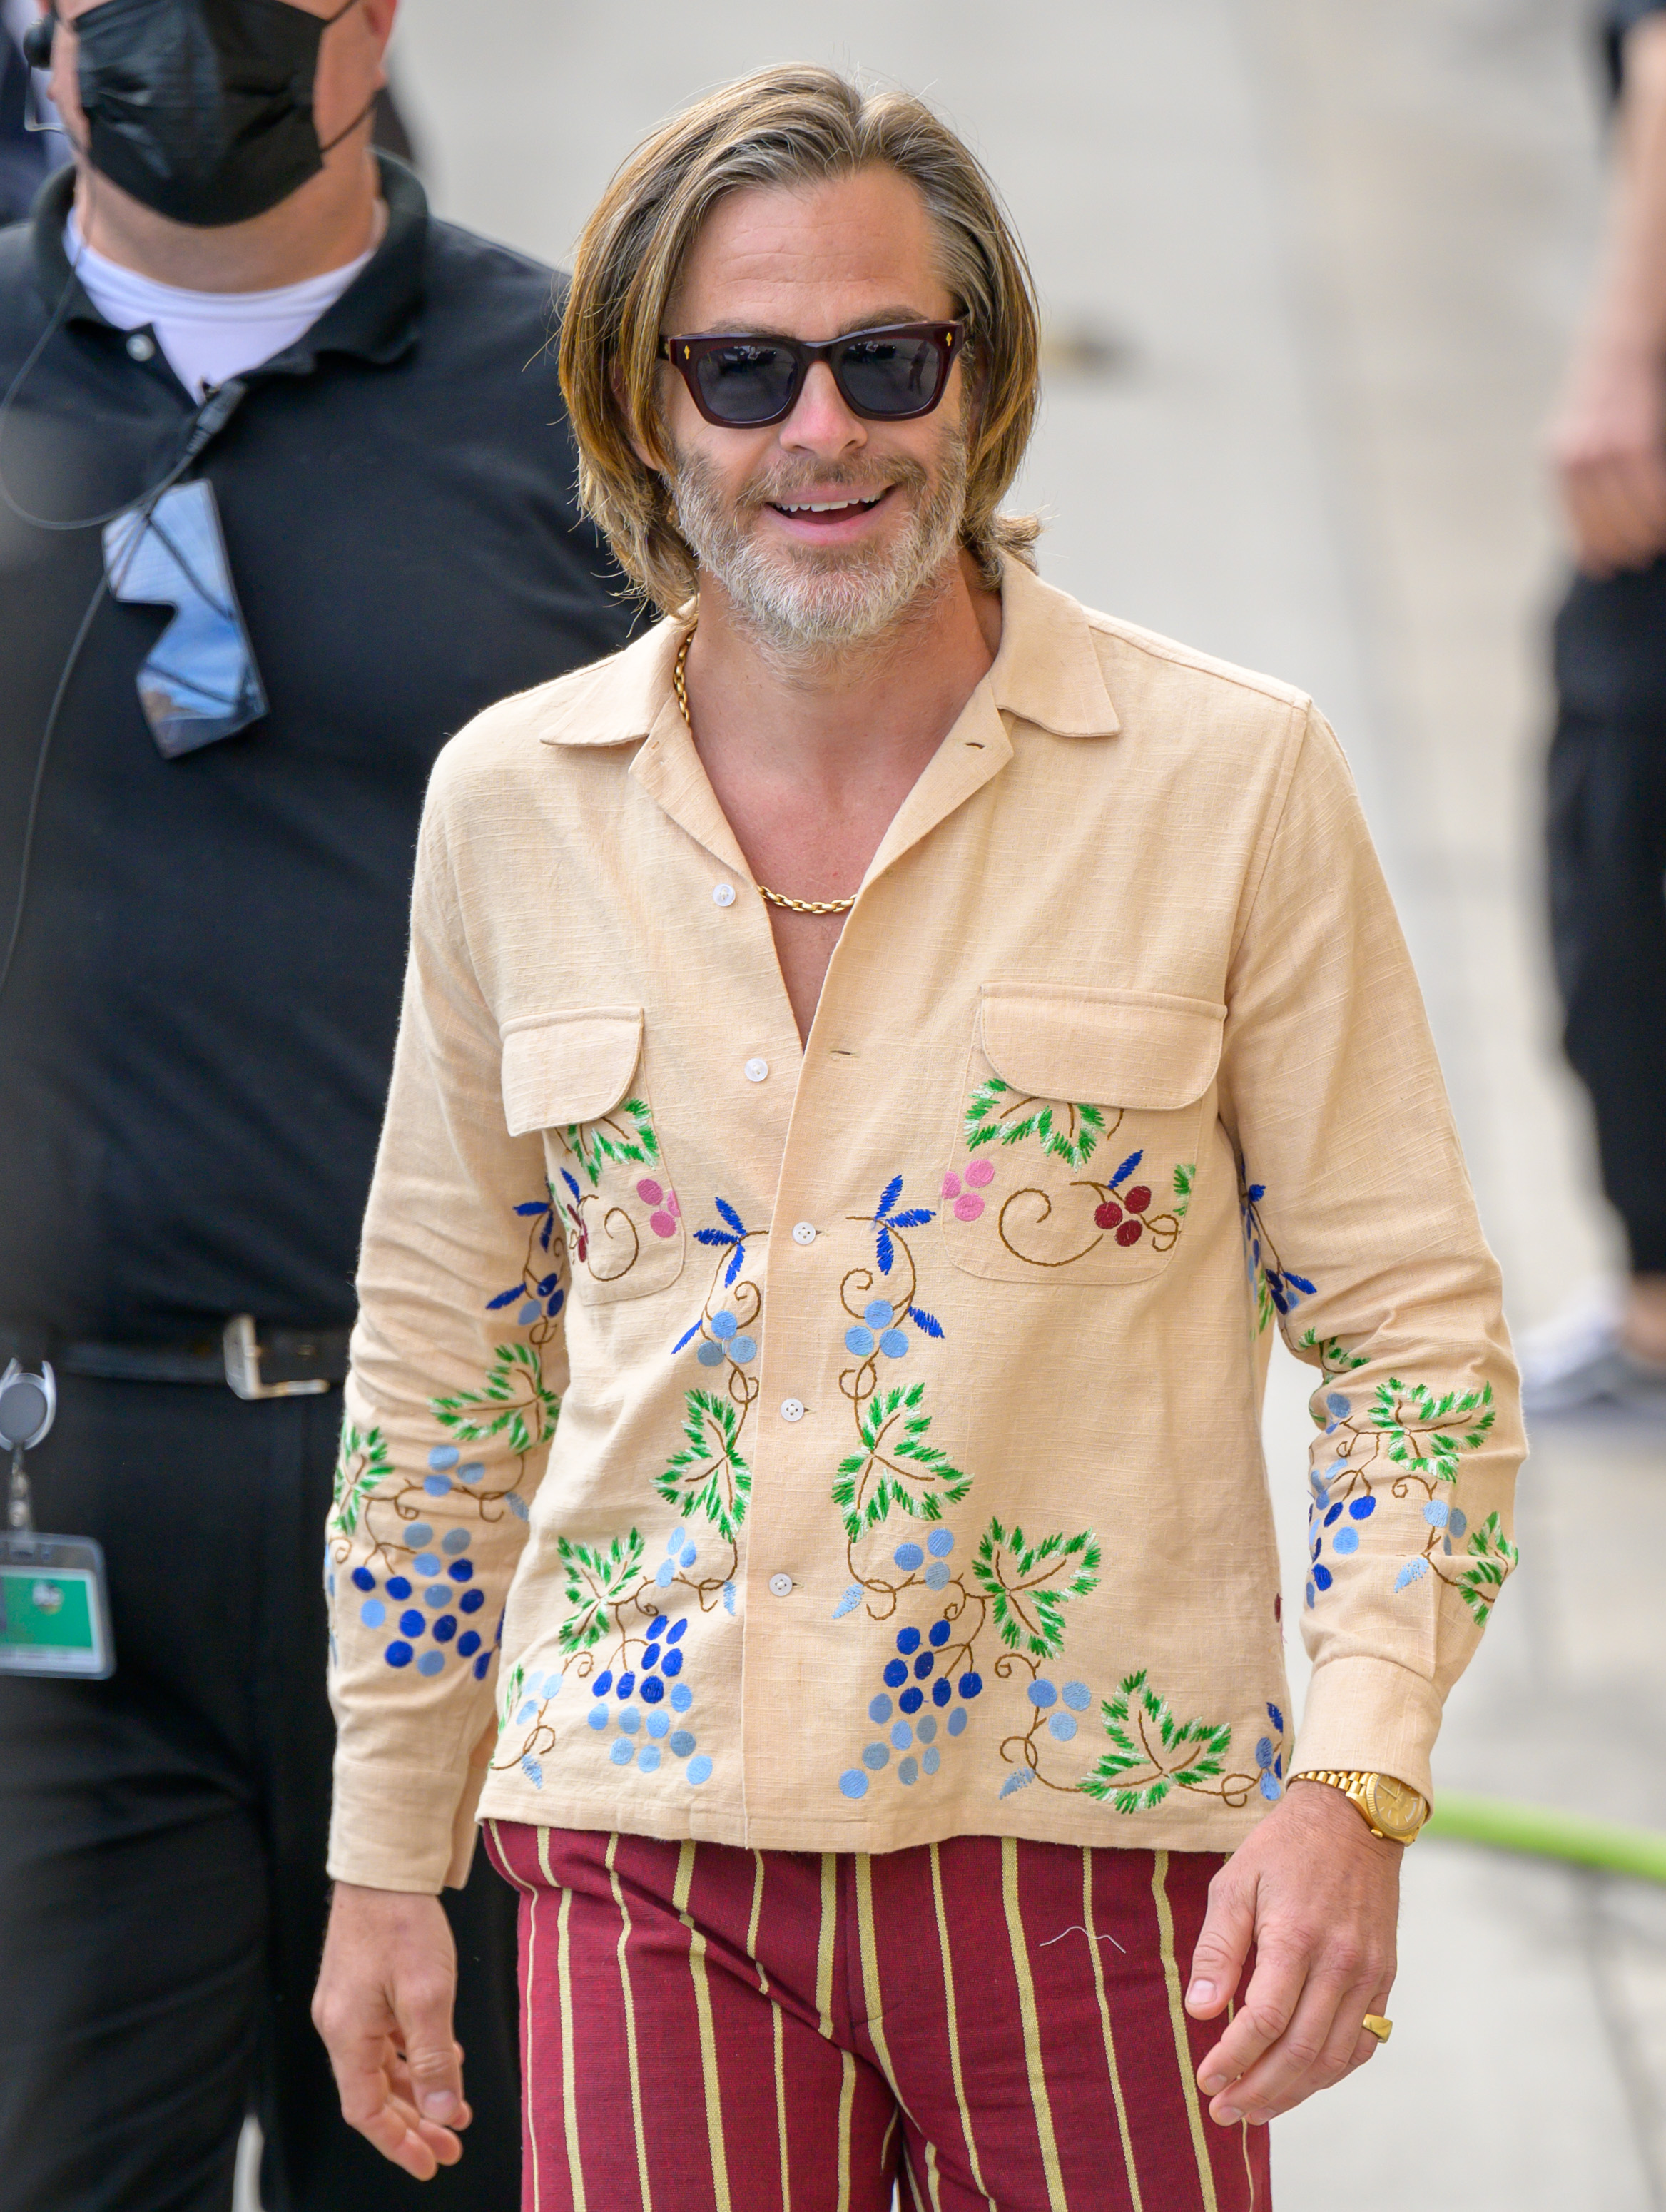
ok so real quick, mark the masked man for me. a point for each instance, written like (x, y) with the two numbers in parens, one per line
(286, 499)
(928, 1032)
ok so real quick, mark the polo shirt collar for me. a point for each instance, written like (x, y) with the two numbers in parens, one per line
(375, 319)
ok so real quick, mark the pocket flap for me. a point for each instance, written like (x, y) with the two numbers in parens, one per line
(567, 1067)
(1139, 1049)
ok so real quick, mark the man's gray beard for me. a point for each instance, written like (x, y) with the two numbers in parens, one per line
(809, 601)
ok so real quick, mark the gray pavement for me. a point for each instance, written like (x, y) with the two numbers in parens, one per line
(1309, 267)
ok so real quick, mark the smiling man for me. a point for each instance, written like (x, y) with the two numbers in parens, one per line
(883, 1049)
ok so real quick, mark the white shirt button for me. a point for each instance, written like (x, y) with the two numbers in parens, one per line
(804, 1232)
(141, 346)
(756, 1070)
(781, 1586)
(791, 1409)
(722, 893)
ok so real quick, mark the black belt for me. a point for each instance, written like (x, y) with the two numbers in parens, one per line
(254, 1361)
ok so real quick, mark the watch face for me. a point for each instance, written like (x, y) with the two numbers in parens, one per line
(1397, 1811)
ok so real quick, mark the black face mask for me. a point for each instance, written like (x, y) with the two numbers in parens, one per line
(203, 109)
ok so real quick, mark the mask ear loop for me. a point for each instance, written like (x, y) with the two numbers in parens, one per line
(346, 8)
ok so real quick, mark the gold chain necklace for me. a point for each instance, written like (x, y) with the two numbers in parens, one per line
(775, 898)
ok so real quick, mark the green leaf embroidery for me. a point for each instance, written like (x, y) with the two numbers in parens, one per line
(897, 1466)
(362, 1463)
(609, 1139)
(708, 1477)
(512, 1402)
(1492, 1556)
(1429, 1441)
(1184, 1177)
(1028, 1585)
(1151, 1752)
(511, 1695)
(1334, 1357)
(1070, 1133)
(597, 1580)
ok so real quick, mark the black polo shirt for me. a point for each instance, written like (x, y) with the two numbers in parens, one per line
(195, 1041)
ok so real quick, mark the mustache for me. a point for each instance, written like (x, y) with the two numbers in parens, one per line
(780, 486)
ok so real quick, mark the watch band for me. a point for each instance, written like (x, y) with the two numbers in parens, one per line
(1387, 1806)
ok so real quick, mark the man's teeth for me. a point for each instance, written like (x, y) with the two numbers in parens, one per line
(831, 506)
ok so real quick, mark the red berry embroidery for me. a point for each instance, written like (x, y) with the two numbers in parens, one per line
(1138, 1199)
(1107, 1215)
(1131, 1231)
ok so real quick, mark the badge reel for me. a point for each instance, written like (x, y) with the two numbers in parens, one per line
(54, 1600)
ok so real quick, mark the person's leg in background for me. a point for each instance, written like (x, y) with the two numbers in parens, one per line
(1607, 842)
(162, 1838)
(132, 1868)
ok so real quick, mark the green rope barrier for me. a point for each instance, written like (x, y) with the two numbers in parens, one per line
(1547, 1833)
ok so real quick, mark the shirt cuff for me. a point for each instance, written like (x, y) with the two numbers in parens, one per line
(1370, 1715)
(402, 1829)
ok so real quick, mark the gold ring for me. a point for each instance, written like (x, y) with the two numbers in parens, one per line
(1374, 2024)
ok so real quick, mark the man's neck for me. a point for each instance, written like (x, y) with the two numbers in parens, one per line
(328, 223)
(822, 719)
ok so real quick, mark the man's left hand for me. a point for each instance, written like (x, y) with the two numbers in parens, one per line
(1318, 1895)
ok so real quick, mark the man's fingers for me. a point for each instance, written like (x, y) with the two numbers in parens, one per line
(1223, 1945)
(1269, 2005)
(423, 2007)
(367, 2105)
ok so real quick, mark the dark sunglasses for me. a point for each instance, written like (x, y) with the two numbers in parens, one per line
(886, 375)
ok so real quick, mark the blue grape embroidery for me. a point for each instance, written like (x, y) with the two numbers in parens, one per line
(414, 1588)
(1407, 1442)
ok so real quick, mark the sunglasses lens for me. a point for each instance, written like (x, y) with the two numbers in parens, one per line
(746, 383)
(891, 375)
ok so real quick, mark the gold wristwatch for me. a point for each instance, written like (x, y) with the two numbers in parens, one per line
(1387, 1807)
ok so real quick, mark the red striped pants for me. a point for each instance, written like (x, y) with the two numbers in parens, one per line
(709, 2029)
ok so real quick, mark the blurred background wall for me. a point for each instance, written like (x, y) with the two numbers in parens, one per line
(1310, 268)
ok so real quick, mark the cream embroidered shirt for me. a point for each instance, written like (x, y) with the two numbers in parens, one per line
(907, 1480)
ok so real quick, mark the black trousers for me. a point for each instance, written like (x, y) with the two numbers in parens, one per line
(1608, 882)
(162, 1894)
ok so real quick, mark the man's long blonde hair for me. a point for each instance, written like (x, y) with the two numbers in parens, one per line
(795, 127)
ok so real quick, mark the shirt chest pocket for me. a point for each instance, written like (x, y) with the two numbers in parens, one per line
(577, 1078)
(1078, 1136)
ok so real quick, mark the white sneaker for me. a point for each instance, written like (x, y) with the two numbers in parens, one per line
(1578, 1360)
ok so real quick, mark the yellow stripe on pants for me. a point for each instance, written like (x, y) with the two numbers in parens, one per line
(703, 2005)
(1104, 2023)
(630, 2027)
(1032, 2049)
(1182, 2049)
(954, 2030)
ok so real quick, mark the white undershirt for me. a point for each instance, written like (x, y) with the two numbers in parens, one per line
(207, 337)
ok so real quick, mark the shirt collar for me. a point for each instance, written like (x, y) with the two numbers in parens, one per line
(1047, 672)
(375, 318)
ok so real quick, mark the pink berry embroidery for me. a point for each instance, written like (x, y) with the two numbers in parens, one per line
(968, 1206)
(981, 1174)
(951, 1185)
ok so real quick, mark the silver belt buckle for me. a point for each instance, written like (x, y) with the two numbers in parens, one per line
(242, 1350)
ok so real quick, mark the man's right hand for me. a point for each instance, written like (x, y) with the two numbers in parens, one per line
(1608, 448)
(383, 2006)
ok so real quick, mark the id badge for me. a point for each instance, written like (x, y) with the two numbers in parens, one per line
(54, 1598)
(54, 1607)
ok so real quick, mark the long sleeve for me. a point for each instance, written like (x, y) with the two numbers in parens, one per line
(456, 1364)
(1364, 1245)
